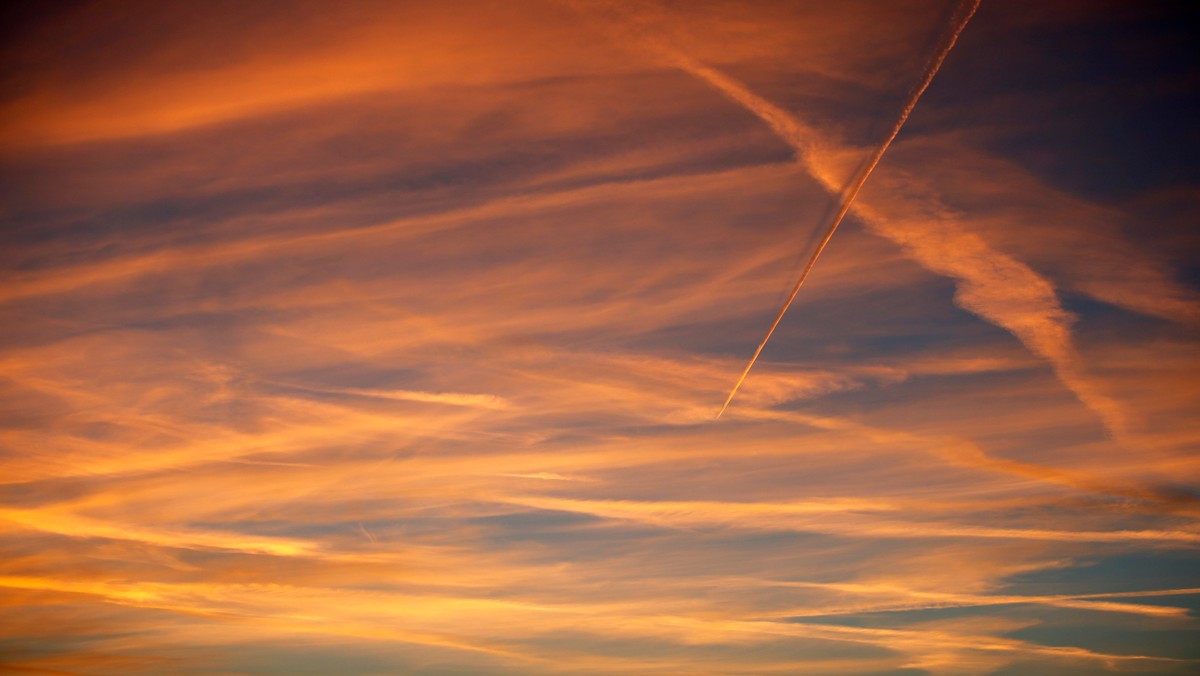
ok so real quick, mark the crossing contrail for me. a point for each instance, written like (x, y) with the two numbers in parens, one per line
(958, 23)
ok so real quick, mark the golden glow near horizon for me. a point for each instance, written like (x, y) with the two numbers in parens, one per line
(387, 338)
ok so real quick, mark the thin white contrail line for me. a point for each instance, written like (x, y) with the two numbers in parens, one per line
(852, 191)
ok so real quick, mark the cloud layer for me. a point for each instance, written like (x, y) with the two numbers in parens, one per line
(385, 338)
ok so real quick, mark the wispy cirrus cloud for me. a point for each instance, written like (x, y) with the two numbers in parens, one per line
(379, 339)
(992, 284)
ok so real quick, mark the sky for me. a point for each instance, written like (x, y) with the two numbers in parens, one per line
(376, 337)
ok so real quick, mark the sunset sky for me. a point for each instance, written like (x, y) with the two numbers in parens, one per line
(386, 337)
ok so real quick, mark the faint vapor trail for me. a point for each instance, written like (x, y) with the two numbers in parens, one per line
(963, 17)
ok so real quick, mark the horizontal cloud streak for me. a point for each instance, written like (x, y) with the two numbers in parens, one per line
(791, 517)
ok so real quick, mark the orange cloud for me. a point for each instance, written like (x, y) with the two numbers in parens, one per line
(390, 337)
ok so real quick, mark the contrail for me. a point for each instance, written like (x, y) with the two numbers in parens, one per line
(962, 18)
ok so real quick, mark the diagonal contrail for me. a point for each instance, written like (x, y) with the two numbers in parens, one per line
(958, 24)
